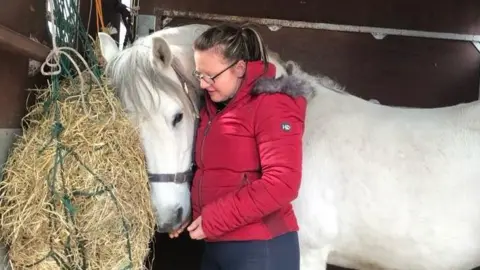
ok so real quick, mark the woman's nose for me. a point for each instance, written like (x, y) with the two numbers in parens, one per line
(203, 84)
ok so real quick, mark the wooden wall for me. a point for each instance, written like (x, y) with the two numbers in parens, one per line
(14, 68)
(458, 16)
(397, 70)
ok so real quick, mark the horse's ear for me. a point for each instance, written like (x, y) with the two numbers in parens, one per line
(108, 46)
(161, 51)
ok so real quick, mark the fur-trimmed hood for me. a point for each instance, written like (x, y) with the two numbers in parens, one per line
(292, 84)
(295, 83)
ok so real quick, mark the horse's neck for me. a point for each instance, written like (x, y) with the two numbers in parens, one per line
(274, 58)
(182, 35)
(184, 56)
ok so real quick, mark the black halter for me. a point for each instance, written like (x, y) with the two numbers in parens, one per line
(178, 178)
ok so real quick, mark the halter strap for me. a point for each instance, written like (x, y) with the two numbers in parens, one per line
(176, 67)
(178, 178)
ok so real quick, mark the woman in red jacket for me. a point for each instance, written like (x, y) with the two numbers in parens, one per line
(248, 154)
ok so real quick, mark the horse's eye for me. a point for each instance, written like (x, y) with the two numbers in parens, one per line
(177, 119)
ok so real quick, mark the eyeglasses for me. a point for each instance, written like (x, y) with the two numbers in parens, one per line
(211, 79)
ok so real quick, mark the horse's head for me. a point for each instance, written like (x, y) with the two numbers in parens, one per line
(151, 85)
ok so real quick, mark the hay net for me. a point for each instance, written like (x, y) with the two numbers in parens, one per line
(75, 191)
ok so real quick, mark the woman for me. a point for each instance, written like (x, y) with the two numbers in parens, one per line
(249, 156)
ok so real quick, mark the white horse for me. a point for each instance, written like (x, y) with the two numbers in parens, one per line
(382, 188)
(388, 187)
(157, 89)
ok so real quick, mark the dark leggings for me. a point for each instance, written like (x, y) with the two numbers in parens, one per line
(280, 253)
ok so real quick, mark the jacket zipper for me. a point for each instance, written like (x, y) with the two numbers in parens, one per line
(207, 128)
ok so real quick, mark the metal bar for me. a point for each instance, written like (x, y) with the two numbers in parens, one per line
(159, 12)
(18, 43)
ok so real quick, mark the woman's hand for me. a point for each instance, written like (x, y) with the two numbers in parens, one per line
(178, 231)
(196, 230)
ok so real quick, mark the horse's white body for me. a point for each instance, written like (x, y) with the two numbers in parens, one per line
(386, 187)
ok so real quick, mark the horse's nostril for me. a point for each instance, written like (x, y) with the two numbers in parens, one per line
(179, 214)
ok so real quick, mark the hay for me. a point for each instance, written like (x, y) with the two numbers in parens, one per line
(102, 180)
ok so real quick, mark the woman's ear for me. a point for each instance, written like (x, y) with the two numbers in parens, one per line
(240, 68)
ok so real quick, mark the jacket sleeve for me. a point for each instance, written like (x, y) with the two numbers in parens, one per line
(279, 127)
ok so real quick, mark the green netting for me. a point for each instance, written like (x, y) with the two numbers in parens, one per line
(70, 32)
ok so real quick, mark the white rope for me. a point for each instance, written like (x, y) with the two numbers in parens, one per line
(53, 61)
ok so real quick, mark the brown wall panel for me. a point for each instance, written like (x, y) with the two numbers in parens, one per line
(397, 70)
(457, 16)
(13, 68)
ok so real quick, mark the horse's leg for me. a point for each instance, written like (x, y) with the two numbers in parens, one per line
(317, 233)
(314, 249)
(317, 215)
(314, 258)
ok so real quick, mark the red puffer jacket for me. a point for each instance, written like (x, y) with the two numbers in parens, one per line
(249, 161)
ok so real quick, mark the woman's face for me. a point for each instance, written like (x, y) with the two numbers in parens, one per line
(219, 77)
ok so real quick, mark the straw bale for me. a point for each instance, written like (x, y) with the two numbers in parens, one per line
(101, 178)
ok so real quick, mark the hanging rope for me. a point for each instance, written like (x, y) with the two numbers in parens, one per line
(53, 61)
(100, 23)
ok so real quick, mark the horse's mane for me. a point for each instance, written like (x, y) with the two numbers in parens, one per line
(137, 79)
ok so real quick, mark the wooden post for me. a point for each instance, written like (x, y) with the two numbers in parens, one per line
(18, 43)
